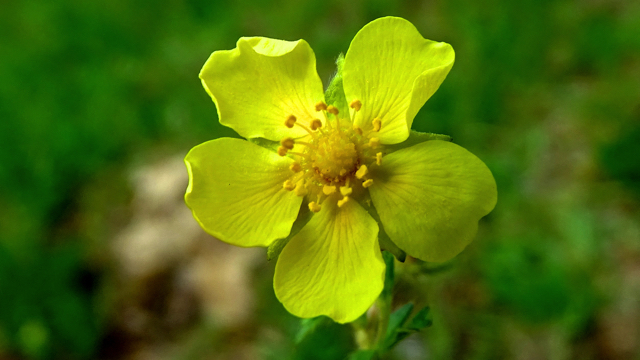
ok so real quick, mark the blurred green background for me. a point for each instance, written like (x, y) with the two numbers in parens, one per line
(100, 259)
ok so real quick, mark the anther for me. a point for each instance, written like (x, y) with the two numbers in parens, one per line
(282, 151)
(367, 183)
(356, 105)
(287, 143)
(328, 189)
(315, 207)
(332, 110)
(321, 106)
(379, 158)
(295, 167)
(357, 129)
(377, 124)
(343, 172)
(289, 185)
(291, 120)
(362, 171)
(316, 124)
(374, 142)
(343, 201)
(345, 190)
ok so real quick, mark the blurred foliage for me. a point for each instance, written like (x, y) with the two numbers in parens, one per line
(545, 92)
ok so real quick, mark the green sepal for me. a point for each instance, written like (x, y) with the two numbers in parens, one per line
(308, 326)
(335, 92)
(267, 144)
(385, 242)
(274, 250)
(416, 137)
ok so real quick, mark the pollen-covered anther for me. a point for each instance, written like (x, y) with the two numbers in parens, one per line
(343, 201)
(362, 171)
(355, 105)
(291, 120)
(282, 151)
(287, 143)
(328, 189)
(295, 167)
(289, 185)
(379, 159)
(321, 106)
(314, 206)
(316, 124)
(377, 124)
(374, 142)
(345, 190)
(367, 183)
(332, 110)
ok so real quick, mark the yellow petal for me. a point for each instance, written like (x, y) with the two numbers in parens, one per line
(261, 82)
(393, 71)
(430, 197)
(333, 266)
(235, 192)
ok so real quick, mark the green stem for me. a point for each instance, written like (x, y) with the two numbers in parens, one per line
(384, 304)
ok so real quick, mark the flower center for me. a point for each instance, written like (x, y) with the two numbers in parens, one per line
(332, 160)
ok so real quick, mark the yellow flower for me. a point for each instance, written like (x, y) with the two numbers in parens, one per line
(347, 164)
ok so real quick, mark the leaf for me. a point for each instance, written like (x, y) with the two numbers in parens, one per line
(421, 320)
(362, 355)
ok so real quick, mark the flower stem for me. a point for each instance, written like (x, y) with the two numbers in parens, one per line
(384, 304)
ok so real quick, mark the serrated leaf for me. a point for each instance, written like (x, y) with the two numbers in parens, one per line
(398, 318)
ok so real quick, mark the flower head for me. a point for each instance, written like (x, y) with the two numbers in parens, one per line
(330, 170)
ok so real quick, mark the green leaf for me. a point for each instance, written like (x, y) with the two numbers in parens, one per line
(362, 355)
(274, 250)
(396, 322)
(335, 92)
(421, 320)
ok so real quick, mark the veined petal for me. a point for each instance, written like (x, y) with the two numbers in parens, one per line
(257, 85)
(430, 197)
(393, 71)
(235, 192)
(333, 266)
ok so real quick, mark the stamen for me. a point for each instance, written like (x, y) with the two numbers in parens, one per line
(367, 183)
(289, 185)
(357, 129)
(332, 110)
(314, 206)
(356, 105)
(374, 142)
(343, 201)
(282, 151)
(321, 106)
(301, 189)
(328, 189)
(291, 120)
(377, 124)
(379, 158)
(295, 167)
(362, 171)
(287, 143)
(345, 190)
(316, 124)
